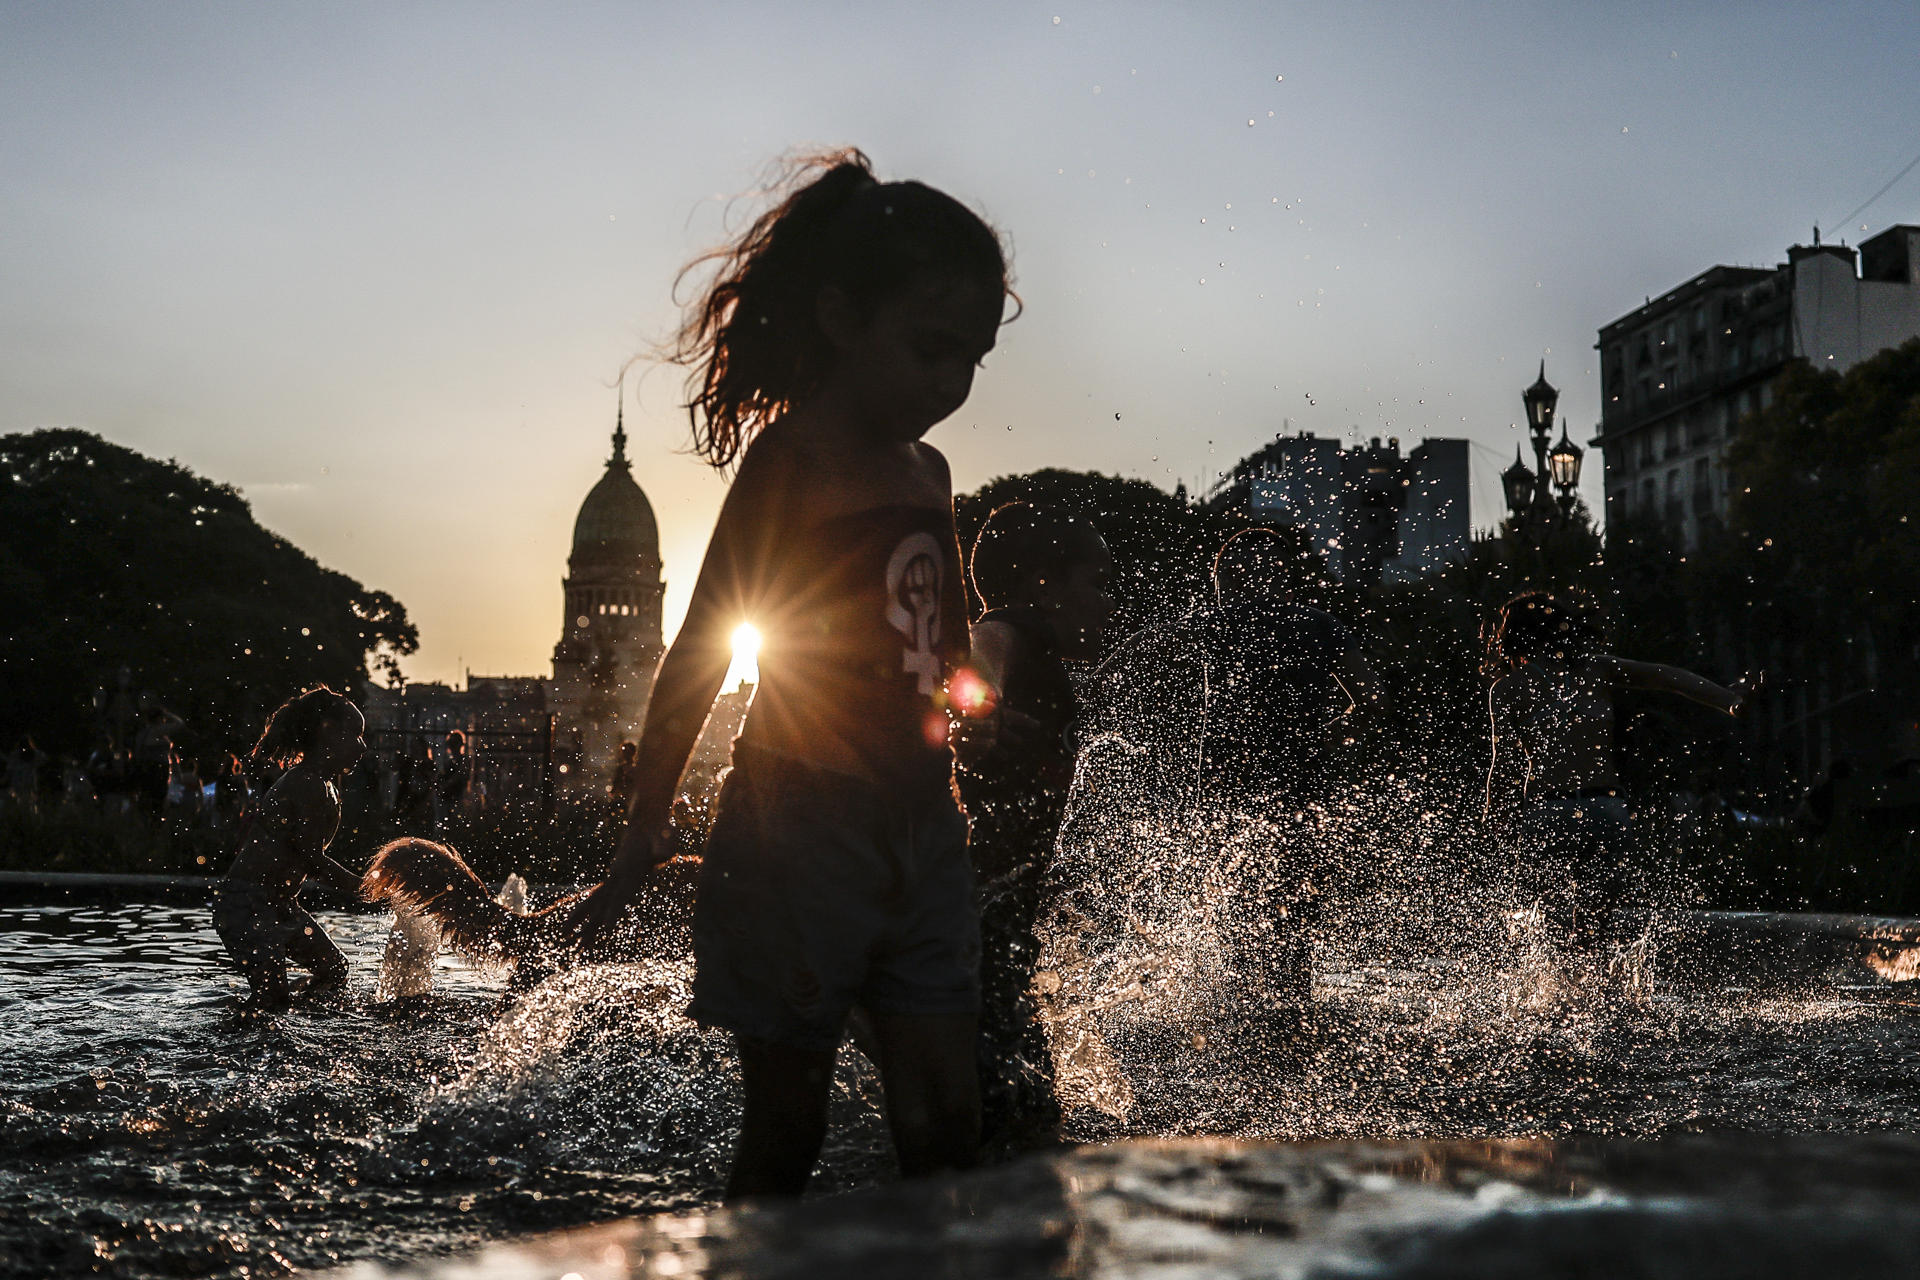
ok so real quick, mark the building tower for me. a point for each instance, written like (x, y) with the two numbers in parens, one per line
(610, 638)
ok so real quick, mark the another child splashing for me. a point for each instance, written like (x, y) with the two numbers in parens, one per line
(1554, 718)
(1044, 578)
(843, 325)
(314, 738)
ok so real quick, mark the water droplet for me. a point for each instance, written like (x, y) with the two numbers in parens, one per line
(1056, 21)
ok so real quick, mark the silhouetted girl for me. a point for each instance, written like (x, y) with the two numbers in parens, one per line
(314, 739)
(1554, 717)
(843, 325)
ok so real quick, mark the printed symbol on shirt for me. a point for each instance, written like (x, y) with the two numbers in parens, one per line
(913, 606)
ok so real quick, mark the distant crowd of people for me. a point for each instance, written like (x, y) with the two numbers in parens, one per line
(144, 773)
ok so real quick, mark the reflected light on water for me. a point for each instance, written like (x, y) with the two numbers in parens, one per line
(746, 657)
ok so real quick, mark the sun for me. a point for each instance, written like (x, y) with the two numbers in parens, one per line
(746, 657)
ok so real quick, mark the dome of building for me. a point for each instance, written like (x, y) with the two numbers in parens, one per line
(616, 525)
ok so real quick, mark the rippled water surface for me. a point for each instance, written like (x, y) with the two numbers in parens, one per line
(150, 1127)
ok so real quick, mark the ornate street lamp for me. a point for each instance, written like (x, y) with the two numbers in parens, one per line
(1565, 464)
(1540, 399)
(1518, 481)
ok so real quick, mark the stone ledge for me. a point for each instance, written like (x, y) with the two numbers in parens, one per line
(1824, 1206)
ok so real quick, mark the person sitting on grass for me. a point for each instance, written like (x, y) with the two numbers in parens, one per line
(1044, 578)
(314, 738)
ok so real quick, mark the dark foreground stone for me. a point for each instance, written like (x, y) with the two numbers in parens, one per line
(1691, 1206)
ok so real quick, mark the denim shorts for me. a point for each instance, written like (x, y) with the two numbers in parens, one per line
(821, 891)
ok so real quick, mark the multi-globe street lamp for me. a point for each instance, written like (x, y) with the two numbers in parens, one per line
(1529, 491)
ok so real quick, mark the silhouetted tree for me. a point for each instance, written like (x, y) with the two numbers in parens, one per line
(1822, 553)
(113, 559)
(1162, 545)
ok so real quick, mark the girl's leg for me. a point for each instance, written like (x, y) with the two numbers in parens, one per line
(785, 1120)
(245, 935)
(309, 947)
(932, 1080)
(266, 981)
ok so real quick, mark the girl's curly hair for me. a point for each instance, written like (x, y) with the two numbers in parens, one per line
(751, 341)
(1537, 624)
(293, 726)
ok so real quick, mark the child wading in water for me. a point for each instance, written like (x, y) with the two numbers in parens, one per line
(1044, 578)
(1554, 718)
(843, 325)
(315, 737)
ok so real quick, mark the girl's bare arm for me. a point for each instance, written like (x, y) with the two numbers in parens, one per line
(1661, 678)
(695, 665)
(313, 813)
(1502, 731)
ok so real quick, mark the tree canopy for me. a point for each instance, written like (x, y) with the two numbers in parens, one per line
(1823, 538)
(111, 559)
(1162, 545)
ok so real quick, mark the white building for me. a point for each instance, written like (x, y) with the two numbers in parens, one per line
(1678, 374)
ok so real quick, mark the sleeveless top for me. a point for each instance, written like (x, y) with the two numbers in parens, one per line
(862, 618)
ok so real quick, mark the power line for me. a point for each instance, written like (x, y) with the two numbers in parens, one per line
(1848, 220)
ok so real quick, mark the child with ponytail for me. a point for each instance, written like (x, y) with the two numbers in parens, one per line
(836, 332)
(314, 738)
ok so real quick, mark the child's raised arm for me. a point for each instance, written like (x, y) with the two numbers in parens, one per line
(1660, 678)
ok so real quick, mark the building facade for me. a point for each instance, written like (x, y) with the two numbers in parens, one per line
(1370, 512)
(533, 736)
(1679, 374)
(610, 633)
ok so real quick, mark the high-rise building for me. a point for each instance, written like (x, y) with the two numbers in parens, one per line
(1678, 374)
(1369, 511)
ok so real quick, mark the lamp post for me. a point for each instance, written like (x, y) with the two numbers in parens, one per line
(1540, 399)
(1518, 482)
(1565, 464)
(1530, 491)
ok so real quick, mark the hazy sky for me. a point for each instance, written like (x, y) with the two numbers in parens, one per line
(380, 265)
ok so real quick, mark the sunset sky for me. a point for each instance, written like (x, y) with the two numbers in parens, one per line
(380, 265)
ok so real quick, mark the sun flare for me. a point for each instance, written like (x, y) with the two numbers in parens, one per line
(746, 657)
